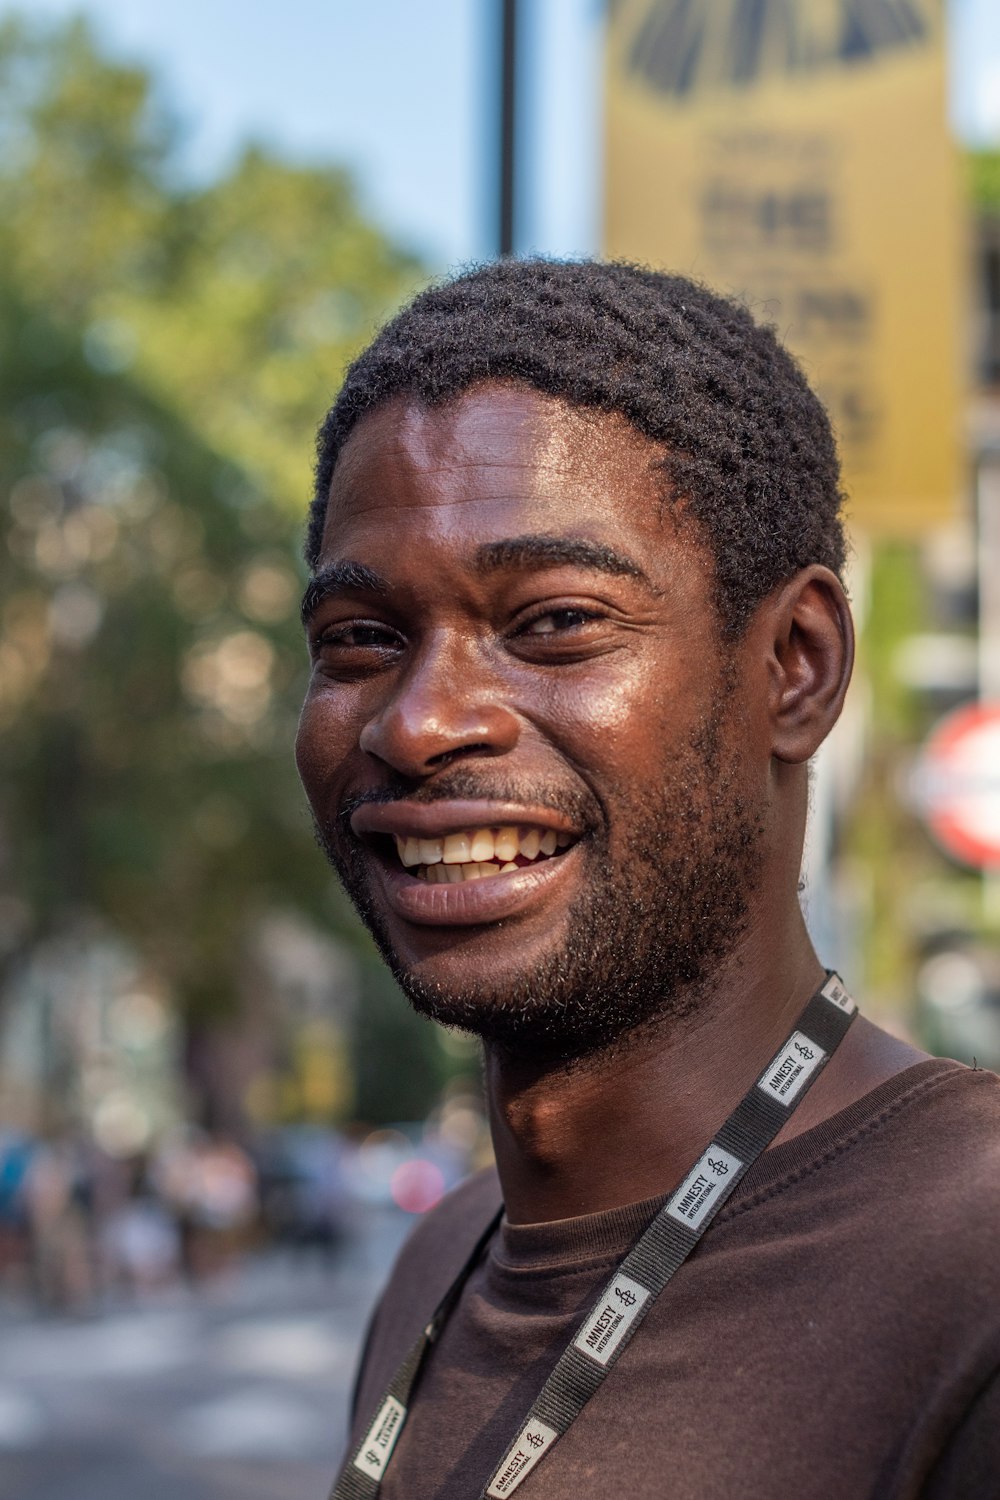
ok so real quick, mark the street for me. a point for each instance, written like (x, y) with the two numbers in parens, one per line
(236, 1392)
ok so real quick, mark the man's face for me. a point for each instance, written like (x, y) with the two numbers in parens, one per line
(526, 751)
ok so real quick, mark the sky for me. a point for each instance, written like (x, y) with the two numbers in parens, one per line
(405, 93)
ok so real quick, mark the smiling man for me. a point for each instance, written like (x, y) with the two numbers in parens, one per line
(577, 626)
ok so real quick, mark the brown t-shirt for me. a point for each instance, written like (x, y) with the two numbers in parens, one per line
(835, 1335)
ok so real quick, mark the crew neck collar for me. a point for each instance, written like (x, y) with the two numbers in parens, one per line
(591, 1239)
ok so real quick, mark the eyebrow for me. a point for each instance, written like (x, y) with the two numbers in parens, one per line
(340, 578)
(534, 551)
(542, 551)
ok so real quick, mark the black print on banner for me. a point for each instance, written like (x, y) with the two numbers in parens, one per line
(685, 48)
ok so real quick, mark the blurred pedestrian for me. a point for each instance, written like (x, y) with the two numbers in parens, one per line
(57, 1208)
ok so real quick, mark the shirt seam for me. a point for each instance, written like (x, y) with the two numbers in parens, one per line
(560, 1268)
(763, 1194)
(837, 1148)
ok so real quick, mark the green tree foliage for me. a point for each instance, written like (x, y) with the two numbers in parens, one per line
(983, 178)
(281, 281)
(238, 304)
(165, 355)
(149, 667)
(84, 170)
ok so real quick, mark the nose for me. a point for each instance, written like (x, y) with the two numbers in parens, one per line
(446, 705)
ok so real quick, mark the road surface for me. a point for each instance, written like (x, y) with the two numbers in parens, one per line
(239, 1392)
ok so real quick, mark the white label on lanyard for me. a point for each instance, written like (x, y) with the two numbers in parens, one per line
(702, 1186)
(381, 1439)
(834, 991)
(534, 1439)
(611, 1319)
(791, 1070)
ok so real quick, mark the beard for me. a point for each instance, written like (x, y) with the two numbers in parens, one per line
(653, 924)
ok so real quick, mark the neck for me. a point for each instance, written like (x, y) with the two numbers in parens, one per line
(627, 1123)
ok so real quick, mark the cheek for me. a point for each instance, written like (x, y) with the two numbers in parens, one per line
(324, 741)
(615, 724)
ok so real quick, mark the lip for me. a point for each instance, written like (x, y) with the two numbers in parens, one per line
(429, 819)
(495, 898)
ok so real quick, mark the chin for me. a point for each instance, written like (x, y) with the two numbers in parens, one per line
(499, 961)
(596, 949)
(494, 984)
(556, 1004)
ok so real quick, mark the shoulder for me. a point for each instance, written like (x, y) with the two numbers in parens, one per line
(948, 1132)
(931, 1133)
(425, 1268)
(951, 1152)
(908, 1176)
(928, 1119)
(443, 1239)
(920, 1177)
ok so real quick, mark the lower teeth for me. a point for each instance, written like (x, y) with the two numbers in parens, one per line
(441, 874)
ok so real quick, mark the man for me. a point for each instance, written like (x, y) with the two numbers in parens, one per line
(577, 626)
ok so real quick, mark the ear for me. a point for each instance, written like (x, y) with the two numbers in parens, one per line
(808, 641)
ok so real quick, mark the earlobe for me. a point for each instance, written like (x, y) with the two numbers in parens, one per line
(811, 656)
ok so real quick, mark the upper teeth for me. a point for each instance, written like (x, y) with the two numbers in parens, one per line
(481, 845)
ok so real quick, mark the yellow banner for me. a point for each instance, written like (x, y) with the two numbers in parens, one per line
(795, 153)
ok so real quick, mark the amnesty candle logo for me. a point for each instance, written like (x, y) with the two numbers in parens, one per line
(611, 1319)
(705, 1184)
(381, 1438)
(791, 1070)
(534, 1439)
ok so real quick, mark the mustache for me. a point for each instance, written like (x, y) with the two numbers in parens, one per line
(574, 804)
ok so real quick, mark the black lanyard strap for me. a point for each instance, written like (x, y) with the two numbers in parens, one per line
(626, 1299)
(362, 1475)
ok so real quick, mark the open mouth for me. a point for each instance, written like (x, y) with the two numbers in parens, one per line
(478, 853)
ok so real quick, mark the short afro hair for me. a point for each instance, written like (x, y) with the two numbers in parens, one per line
(747, 446)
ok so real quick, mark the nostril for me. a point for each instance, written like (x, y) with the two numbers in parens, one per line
(447, 756)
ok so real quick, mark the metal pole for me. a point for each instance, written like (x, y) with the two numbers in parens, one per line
(508, 124)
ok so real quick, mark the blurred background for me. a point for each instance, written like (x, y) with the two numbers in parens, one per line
(217, 1116)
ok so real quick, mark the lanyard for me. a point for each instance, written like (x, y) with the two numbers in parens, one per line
(661, 1249)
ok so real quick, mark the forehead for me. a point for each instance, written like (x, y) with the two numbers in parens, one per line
(496, 462)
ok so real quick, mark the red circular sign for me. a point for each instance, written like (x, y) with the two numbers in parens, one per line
(958, 784)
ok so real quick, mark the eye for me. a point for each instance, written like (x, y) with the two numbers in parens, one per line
(558, 634)
(557, 621)
(353, 648)
(358, 634)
